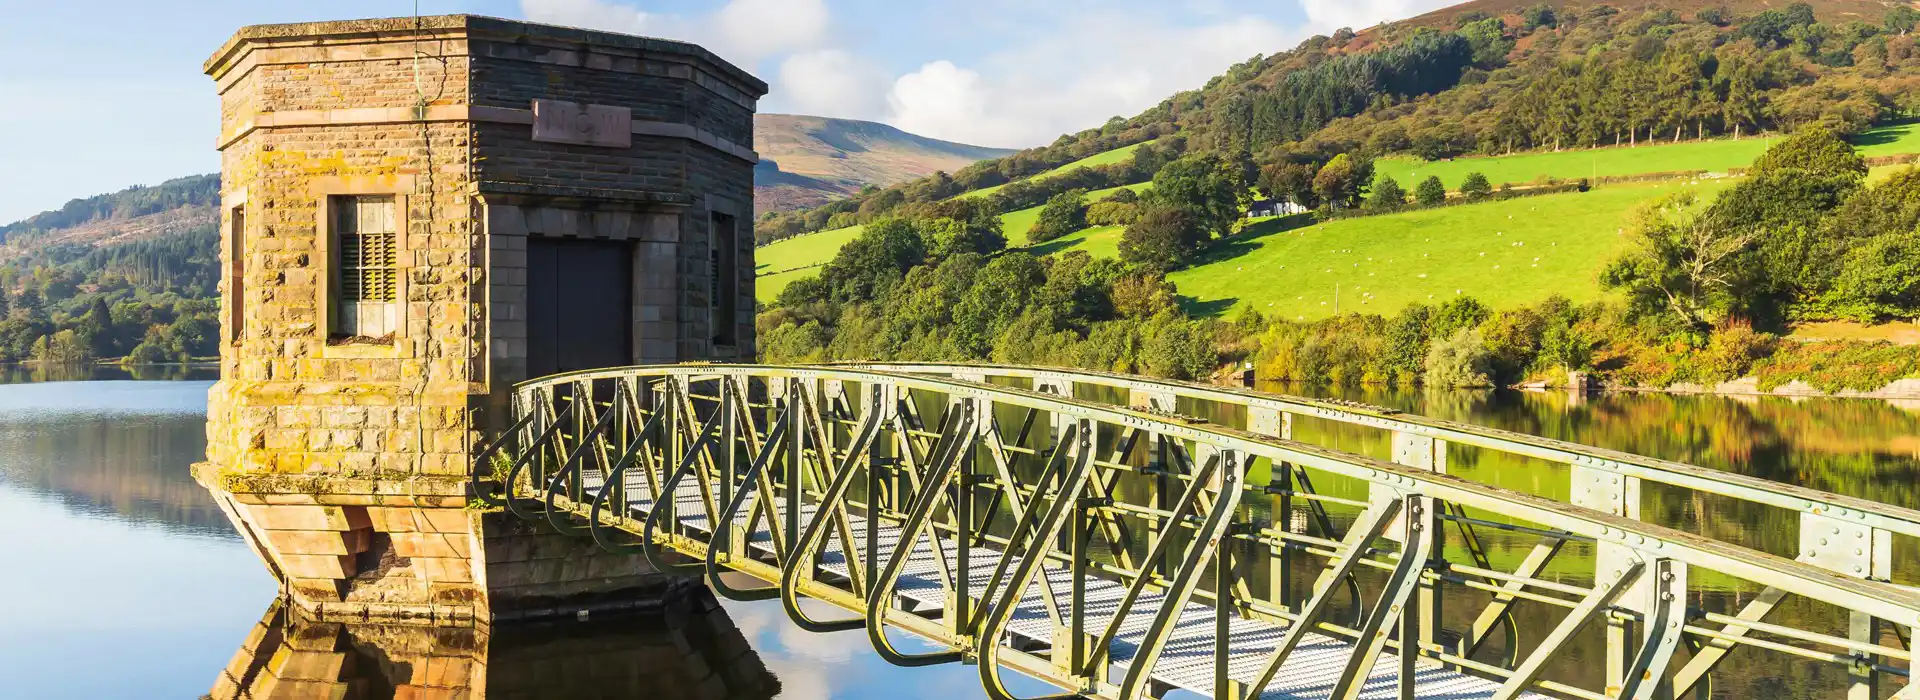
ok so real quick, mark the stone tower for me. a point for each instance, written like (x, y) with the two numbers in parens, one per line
(418, 213)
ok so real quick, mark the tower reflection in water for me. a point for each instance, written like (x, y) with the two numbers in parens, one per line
(690, 650)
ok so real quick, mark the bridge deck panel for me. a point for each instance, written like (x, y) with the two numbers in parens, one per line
(1311, 673)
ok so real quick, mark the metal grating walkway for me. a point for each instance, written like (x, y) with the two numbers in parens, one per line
(1311, 672)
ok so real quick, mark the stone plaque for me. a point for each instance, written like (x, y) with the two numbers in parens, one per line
(588, 125)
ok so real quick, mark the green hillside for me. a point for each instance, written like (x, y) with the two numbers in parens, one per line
(1717, 155)
(1017, 224)
(1504, 253)
(1101, 158)
(778, 261)
(1258, 268)
(803, 251)
(800, 257)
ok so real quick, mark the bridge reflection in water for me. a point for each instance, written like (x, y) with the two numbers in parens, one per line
(689, 650)
(1123, 548)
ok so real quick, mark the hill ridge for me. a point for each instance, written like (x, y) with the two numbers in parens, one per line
(808, 160)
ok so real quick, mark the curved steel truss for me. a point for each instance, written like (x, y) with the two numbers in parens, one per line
(1124, 551)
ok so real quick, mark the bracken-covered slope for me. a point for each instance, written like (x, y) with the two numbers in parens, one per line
(806, 161)
(1831, 11)
(135, 214)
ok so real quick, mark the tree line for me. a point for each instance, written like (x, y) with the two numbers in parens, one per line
(1604, 78)
(146, 301)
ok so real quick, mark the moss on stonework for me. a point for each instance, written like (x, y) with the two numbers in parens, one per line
(332, 483)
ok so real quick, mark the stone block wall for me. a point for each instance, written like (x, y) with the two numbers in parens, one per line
(346, 461)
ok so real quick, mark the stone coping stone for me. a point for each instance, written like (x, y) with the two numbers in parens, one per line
(265, 488)
(502, 29)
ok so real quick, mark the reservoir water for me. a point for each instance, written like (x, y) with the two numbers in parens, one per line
(124, 581)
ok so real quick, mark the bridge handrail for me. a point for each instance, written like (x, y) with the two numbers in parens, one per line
(1904, 521)
(1882, 600)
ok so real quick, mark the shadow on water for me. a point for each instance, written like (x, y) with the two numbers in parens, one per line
(690, 650)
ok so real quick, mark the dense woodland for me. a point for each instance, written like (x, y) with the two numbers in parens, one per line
(1707, 285)
(151, 300)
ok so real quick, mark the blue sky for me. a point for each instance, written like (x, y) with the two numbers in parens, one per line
(98, 95)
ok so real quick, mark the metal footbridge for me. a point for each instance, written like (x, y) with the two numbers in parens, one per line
(1088, 530)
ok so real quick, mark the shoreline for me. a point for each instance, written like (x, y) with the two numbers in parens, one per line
(1897, 390)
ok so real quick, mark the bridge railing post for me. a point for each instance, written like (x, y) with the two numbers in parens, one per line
(1422, 621)
(732, 400)
(1852, 549)
(1615, 494)
(797, 398)
(1165, 489)
(1275, 423)
(1057, 387)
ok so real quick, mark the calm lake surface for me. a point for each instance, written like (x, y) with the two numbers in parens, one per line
(124, 581)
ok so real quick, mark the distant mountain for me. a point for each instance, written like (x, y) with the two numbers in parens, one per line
(806, 161)
(180, 205)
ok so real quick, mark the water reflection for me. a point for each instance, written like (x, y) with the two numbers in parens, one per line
(23, 374)
(691, 650)
(115, 553)
(1858, 447)
(116, 449)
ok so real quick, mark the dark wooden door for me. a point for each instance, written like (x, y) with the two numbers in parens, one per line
(580, 308)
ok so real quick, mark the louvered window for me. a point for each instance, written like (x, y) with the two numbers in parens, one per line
(366, 278)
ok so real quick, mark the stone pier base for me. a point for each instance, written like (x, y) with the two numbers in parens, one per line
(413, 550)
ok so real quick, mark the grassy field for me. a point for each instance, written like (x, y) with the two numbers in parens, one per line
(777, 261)
(766, 288)
(1717, 156)
(1504, 253)
(1101, 158)
(803, 251)
(1017, 224)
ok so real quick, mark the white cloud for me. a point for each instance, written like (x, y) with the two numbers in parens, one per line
(742, 31)
(945, 101)
(591, 14)
(1096, 66)
(832, 82)
(1071, 69)
(1327, 15)
(753, 29)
